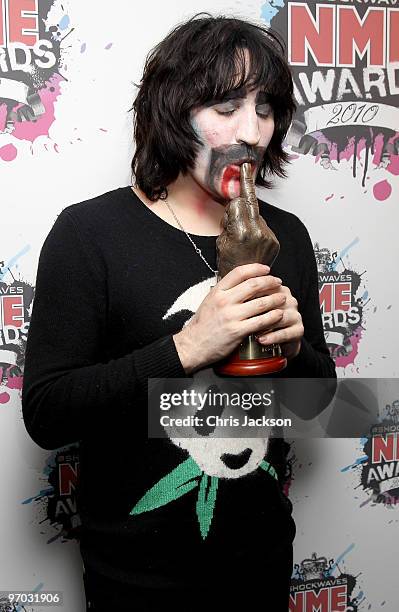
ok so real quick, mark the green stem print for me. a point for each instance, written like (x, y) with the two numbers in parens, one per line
(265, 465)
(206, 502)
(184, 478)
(178, 482)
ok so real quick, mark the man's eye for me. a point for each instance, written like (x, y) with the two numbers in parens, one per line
(264, 110)
(225, 113)
(225, 110)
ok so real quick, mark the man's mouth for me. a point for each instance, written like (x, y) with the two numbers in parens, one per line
(237, 166)
(232, 173)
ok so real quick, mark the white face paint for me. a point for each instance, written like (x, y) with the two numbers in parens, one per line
(234, 130)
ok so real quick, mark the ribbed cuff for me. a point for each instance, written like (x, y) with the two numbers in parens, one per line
(159, 359)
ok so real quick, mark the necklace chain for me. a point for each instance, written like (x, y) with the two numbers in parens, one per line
(197, 250)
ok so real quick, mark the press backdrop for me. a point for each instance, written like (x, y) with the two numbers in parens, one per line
(67, 74)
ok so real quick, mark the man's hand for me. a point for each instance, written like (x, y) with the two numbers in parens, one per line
(246, 301)
(288, 332)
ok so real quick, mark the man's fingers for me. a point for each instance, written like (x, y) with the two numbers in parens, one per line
(279, 336)
(241, 273)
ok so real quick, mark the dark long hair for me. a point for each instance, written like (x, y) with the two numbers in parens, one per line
(201, 60)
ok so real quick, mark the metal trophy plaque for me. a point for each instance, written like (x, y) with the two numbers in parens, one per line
(246, 238)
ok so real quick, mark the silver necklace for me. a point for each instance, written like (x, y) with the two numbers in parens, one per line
(197, 250)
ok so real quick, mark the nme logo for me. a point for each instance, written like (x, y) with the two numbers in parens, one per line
(30, 61)
(15, 309)
(314, 588)
(345, 66)
(68, 477)
(385, 448)
(328, 599)
(336, 304)
(19, 22)
(337, 34)
(342, 301)
(335, 296)
(11, 311)
(380, 467)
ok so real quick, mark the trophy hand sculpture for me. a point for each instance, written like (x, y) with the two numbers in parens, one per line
(246, 238)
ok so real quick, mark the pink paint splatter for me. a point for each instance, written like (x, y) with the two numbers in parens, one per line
(378, 144)
(3, 117)
(286, 487)
(4, 397)
(348, 152)
(15, 382)
(342, 362)
(29, 130)
(382, 190)
(393, 166)
(8, 153)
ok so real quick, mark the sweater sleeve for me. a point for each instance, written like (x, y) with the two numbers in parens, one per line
(68, 384)
(307, 398)
(313, 360)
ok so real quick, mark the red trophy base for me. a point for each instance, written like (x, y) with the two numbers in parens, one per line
(252, 359)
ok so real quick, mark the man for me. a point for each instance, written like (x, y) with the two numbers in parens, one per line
(126, 290)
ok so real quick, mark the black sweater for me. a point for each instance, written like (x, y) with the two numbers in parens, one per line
(114, 283)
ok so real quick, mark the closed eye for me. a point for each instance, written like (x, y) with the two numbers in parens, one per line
(225, 109)
(264, 110)
(225, 113)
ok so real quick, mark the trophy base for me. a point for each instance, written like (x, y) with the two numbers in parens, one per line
(252, 359)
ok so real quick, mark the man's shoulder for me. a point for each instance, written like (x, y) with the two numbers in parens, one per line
(97, 207)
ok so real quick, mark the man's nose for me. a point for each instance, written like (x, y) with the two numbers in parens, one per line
(248, 128)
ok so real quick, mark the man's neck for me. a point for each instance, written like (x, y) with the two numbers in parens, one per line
(196, 210)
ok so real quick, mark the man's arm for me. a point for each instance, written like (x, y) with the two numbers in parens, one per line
(68, 387)
(313, 360)
(309, 398)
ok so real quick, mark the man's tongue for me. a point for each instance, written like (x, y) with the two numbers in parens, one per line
(230, 174)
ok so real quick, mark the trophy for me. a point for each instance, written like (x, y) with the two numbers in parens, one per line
(246, 238)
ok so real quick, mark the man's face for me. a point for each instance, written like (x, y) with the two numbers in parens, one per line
(233, 131)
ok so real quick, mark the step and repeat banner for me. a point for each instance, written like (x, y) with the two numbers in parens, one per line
(67, 75)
